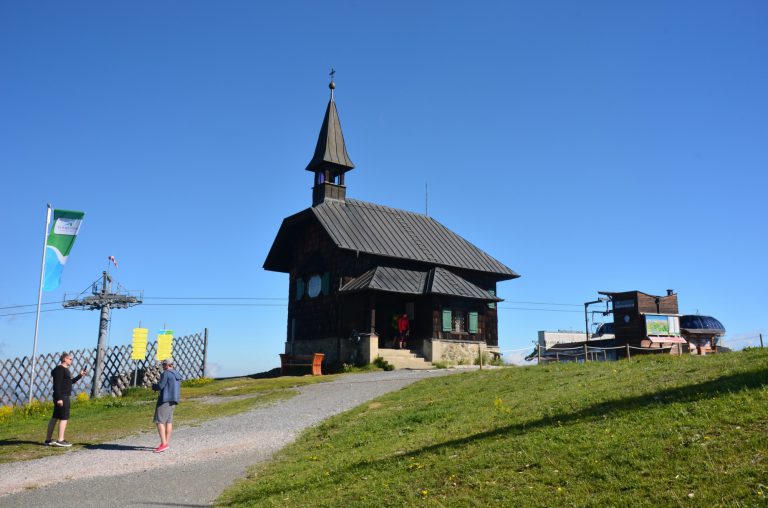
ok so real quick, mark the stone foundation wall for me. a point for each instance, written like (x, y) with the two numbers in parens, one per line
(338, 351)
(328, 346)
(457, 352)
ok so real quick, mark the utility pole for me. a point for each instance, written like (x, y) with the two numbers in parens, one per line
(104, 299)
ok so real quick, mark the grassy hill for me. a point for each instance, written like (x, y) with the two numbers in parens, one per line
(653, 431)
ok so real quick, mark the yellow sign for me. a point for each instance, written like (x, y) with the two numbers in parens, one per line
(139, 344)
(164, 344)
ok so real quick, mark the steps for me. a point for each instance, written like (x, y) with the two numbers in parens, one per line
(404, 359)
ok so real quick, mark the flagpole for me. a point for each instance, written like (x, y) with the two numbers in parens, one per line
(39, 301)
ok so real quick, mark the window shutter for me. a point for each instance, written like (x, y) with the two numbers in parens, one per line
(447, 321)
(473, 322)
(492, 305)
(326, 283)
(299, 288)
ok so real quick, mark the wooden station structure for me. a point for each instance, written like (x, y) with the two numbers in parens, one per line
(643, 320)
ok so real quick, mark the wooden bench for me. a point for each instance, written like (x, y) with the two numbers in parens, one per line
(314, 360)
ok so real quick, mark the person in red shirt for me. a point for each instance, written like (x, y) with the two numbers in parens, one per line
(402, 331)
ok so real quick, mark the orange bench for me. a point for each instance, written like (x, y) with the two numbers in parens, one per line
(314, 360)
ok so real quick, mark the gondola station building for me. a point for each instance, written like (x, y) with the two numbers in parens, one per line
(364, 278)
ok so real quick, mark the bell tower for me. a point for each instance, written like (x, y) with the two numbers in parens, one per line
(330, 161)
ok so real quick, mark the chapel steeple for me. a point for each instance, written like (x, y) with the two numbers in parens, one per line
(330, 161)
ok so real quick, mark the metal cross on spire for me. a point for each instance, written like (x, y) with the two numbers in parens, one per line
(332, 85)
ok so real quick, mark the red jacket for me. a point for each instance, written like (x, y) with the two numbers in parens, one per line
(402, 324)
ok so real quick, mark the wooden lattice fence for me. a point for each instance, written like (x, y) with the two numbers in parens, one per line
(119, 371)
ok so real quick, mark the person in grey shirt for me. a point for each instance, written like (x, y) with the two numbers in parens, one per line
(169, 387)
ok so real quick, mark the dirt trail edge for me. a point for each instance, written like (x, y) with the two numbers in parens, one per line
(202, 460)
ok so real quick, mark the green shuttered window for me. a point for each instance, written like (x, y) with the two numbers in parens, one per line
(447, 321)
(473, 322)
(299, 288)
(492, 305)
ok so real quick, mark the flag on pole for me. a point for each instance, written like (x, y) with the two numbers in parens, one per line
(66, 225)
(113, 260)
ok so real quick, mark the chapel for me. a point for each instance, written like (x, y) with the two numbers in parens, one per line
(365, 278)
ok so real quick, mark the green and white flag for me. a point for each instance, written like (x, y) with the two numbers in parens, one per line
(66, 225)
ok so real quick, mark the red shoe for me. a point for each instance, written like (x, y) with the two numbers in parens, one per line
(161, 448)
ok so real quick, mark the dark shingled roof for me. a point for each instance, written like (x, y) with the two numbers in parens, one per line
(380, 230)
(448, 283)
(330, 152)
(435, 281)
(394, 280)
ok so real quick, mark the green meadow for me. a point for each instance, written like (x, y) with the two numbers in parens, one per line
(651, 431)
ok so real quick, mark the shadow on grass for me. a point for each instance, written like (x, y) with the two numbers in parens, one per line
(15, 442)
(689, 393)
(270, 374)
(118, 447)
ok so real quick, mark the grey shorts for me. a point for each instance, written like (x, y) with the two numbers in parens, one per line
(164, 413)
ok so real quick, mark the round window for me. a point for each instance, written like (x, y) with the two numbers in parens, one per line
(314, 286)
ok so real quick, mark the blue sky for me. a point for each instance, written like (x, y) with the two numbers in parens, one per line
(587, 145)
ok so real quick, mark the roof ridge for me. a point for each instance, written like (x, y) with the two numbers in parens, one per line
(391, 209)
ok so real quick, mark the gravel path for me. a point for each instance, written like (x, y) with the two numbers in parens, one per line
(202, 460)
